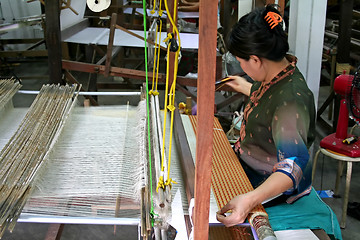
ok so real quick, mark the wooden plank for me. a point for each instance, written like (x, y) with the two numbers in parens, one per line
(53, 43)
(205, 111)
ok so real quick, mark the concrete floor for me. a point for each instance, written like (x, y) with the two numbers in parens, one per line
(34, 74)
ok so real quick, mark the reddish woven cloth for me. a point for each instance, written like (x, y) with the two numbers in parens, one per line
(228, 178)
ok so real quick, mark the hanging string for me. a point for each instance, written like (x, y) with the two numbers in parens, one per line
(159, 10)
(147, 108)
(172, 46)
(154, 5)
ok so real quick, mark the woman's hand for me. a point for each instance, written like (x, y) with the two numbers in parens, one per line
(240, 84)
(238, 209)
(241, 205)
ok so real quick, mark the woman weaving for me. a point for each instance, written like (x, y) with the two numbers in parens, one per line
(279, 119)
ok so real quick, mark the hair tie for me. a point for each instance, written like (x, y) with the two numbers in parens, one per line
(273, 19)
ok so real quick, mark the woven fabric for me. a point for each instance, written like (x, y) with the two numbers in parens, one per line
(228, 178)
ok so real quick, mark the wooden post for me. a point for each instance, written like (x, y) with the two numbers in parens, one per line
(205, 112)
(110, 44)
(53, 40)
(345, 22)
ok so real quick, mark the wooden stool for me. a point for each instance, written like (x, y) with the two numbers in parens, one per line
(334, 148)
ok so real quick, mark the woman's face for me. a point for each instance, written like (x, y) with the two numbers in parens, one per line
(251, 67)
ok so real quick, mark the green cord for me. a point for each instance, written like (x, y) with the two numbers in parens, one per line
(147, 109)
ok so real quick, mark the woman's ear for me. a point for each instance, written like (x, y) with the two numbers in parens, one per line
(255, 60)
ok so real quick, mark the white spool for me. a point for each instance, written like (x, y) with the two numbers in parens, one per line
(98, 5)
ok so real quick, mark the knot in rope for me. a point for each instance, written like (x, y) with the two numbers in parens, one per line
(161, 184)
(153, 92)
(169, 36)
(171, 108)
(169, 181)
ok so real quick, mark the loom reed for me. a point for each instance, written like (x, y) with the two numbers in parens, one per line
(25, 153)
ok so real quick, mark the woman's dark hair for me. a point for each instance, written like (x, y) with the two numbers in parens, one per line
(252, 35)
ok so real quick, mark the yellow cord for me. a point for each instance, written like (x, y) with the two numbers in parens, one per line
(172, 21)
(172, 108)
(165, 109)
(153, 10)
(171, 96)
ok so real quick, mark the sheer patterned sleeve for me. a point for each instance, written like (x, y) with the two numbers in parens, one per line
(290, 126)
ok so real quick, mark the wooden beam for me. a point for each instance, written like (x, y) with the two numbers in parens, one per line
(31, 53)
(36, 44)
(122, 72)
(131, 73)
(205, 111)
(53, 43)
(54, 231)
(110, 44)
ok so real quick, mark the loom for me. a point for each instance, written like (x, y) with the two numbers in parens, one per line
(86, 174)
(116, 203)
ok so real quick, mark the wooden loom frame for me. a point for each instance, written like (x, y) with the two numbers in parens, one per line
(108, 70)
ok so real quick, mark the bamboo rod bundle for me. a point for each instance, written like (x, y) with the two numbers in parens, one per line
(8, 88)
(26, 151)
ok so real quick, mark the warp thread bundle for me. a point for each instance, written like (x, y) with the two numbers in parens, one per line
(26, 151)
